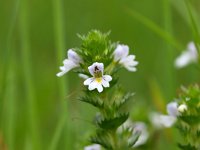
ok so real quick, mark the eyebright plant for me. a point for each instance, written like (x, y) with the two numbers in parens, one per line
(188, 120)
(98, 61)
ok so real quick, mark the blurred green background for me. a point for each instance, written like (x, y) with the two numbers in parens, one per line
(39, 111)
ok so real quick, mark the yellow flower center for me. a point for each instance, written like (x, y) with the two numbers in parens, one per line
(98, 80)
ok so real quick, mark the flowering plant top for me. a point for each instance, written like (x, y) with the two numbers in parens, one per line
(97, 61)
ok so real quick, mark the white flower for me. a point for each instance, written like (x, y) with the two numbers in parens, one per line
(98, 80)
(172, 109)
(187, 57)
(160, 120)
(121, 56)
(137, 127)
(73, 61)
(141, 127)
(93, 147)
(182, 108)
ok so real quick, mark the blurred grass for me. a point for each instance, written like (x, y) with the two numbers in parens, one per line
(37, 109)
(33, 130)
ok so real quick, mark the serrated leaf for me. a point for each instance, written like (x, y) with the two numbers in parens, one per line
(102, 138)
(123, 101)
(95, 102)
(190, 119)
(187, 147)
(113, 123)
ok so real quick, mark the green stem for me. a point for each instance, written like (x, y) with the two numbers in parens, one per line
(167, 55)
(115, 141)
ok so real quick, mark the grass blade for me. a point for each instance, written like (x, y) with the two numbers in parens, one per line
(155, 28)
(28, 80)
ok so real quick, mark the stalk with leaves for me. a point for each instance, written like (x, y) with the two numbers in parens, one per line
(98, 61)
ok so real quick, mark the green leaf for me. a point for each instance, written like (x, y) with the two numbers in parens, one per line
(187, 147)
(96, 102)
(190, 119)
(113, 123)
(120, 102)
(133, 139)
(103, 139)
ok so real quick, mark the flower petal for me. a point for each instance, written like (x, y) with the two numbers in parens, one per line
(172, 109)
(73, 56)
(96, 67)
(108, 78)
(93, 147)
(99, 88)
(105, 83)
(93, 85)
(61, 73)
(160, 121)
(120, 52)
(88, 81)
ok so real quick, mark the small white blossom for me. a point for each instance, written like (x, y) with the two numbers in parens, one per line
(71, 62)
(98, 81)
(182, 108)
(142, 128)
(121, 56)
(172, 109)
(187, 57)
(160, 120)
(137, 127)
(93, 147)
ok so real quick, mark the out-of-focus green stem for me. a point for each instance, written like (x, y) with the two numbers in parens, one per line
(8, 84)
(168, 59)
(194, 26)
(155, 28)
(5, 59)
(60, 54)
(10, 98)
(28, 80)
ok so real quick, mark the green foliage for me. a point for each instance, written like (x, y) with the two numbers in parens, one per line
(103, 139)
(96, 47)
(113, 123)
(189, 119)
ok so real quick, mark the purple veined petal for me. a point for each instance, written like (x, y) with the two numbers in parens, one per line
(105, 83)
(73, 56)
(93, 85)
(88, 81)
(99, 88)
(96, 66)
(120, 52)
(108, 78)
